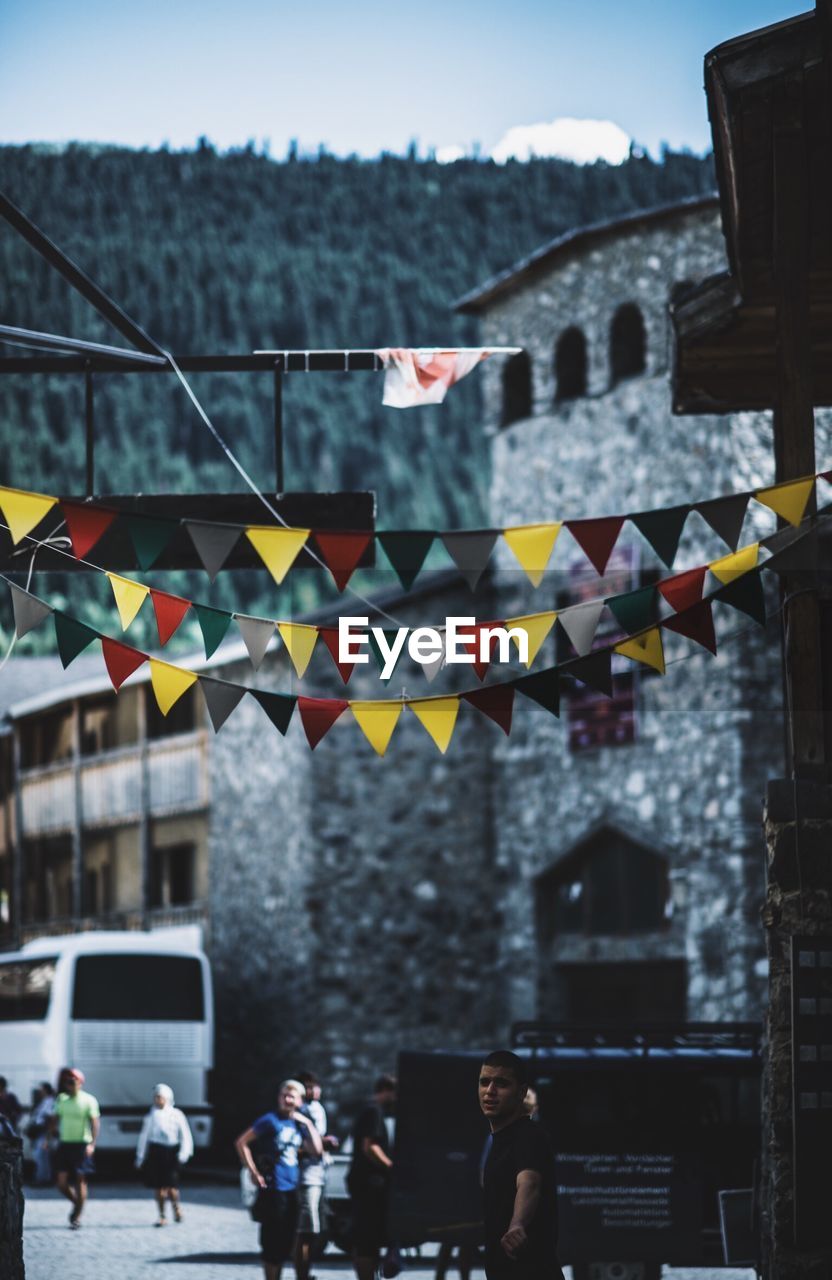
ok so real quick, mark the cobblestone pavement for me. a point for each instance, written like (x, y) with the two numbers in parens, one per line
(217, 1241)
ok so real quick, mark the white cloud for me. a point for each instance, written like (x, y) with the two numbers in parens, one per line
(582, 141)
(447, 155)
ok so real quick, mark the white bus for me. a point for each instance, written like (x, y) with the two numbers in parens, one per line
(130, 1010)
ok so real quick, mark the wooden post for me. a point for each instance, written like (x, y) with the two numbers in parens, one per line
(17, 845)
(142, 694)
(78, 818)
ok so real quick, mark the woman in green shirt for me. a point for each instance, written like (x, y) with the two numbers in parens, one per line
(76, 1121)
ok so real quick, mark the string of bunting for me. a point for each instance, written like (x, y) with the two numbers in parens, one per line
(741, 589)
(470, 550)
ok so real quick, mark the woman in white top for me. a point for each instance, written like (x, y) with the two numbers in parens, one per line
(165, 1143)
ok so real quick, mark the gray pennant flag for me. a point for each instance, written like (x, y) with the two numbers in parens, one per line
(213, 543)
(29, 612)
(799, 554)
(725, 516)
(580, 622)
(221, 698)
(256, 632)
(470, 552)
(431, 669)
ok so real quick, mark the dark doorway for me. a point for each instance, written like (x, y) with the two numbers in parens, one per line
(517, 389)
(570, 365)
(639, 991)
(628, 343)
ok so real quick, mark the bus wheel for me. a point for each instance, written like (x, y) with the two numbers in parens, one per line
(616, 1271)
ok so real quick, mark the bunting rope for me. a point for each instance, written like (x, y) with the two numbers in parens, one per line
(340, 551)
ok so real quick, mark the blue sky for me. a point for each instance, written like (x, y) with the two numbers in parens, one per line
(361, 77)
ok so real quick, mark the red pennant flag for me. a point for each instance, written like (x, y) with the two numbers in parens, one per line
(697, 623)
(121, 660)
(86, 525)
(496, 702)
(329, 635)
(596, 538)
(319, 715)
(473, 646)
(685, 589)
(169, 610)
(341, 553)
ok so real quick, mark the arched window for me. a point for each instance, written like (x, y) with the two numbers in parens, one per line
(517, 389)
(609, 884)
(628, 343)
(570, 365)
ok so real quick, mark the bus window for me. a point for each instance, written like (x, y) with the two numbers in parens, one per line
(138, 988)
(25, 986)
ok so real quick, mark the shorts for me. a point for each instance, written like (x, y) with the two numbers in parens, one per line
(309, 1216)
(278, 1225)
(72, 1158)
(369, 1222)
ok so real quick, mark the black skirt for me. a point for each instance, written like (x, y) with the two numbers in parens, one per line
(161, 1166)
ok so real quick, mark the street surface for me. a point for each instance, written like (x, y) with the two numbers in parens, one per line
(217, 1240)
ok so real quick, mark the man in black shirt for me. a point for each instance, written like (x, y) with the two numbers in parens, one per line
(368, 1180)
(519, 1191)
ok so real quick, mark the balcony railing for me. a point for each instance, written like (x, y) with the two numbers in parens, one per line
(111, 786)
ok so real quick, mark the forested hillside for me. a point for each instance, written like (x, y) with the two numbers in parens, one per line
(230, 252)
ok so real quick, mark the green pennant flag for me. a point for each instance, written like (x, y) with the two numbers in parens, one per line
(634, 610)
(746, 594)
(390, 636)
(72, 637)
(277, 706)
(407, 552)
(213, 624)
(150, 537)
(662, 529)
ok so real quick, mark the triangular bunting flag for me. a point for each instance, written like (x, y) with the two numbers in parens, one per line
(377, 721)
(725, 516)
(685, 589)
(85, 525)
(730, 567)
(169, 610)
(129, 597)
(662, 529)
(580, 622)
(473, 646)
(596, 538)
(470, 552)
(543, 688)
(29, 611)
(634, 610)
(537, 627)
(341, 553)
(277, 548)
(496, 701)
(277, 706)
(23, 511)
(150, 537)
(169, 683)
(213, 623)
(72, 637)
(746, 594)
(533, 545)
(407, 552)
(319, 715)
(213, 543)
(788, 500)
(221, 697)
(799, 555)
(438, 717)
(390, 635)
(646, 648)
(430, 670)
(697, 623)
(330, 637)
(594, 670)
(256, 633)
(120, 660)
(300, 641)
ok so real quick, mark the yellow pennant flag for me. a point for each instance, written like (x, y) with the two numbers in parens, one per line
(646, 648)
(377, 721)
(277, 548)
(533, 545)
(438, 715)
(300, 641)
(130, 596)
(169, 683)
(730, 567)
(787, 500)
(24, 511)
(536, 626)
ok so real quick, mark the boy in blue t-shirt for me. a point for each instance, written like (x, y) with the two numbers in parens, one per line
(280, 1135)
